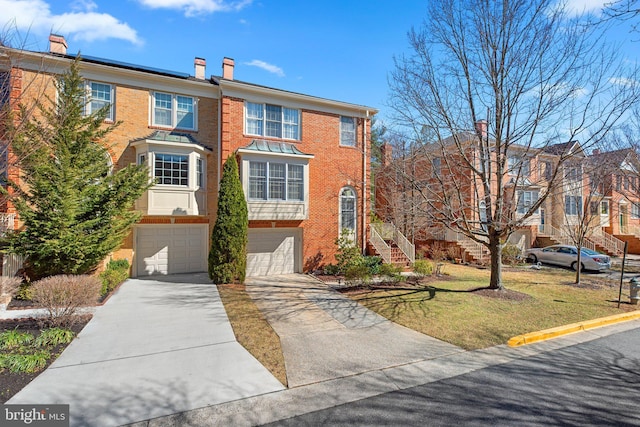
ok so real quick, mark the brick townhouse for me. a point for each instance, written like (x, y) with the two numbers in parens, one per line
(304, 160)
(441, 174)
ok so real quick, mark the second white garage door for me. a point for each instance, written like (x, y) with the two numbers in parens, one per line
(171, 249)
(273, 251)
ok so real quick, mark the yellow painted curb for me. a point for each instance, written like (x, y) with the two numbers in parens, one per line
(546, 334)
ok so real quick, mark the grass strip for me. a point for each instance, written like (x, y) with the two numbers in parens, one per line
(252, 330)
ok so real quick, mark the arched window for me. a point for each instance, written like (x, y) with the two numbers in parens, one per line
(348, 210)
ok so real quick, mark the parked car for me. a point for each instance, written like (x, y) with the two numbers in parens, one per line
(567, 256)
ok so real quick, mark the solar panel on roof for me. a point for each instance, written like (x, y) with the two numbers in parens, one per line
(134, 66)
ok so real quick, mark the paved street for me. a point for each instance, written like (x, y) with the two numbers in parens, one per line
(595, 383)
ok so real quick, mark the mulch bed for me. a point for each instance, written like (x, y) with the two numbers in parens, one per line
(11, 383)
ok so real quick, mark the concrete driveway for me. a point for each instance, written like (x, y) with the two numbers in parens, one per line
(158, 346)
(325, 335)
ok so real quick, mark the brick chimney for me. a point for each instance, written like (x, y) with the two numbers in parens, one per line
(227, 68)
(596, 151)
(200, 65)
(57, 44)
(387, 154)
(481, 128)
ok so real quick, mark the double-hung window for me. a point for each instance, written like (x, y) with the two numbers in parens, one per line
(176, 111)
(171, 169)
(273, 121)
(5, 87)
(276, 181)
(635, 210)
(526, 199)
(573, 205)
(348, 131)
(100, 95)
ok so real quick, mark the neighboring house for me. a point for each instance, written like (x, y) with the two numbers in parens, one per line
(620, 204)
(304, 160)
(439, 173)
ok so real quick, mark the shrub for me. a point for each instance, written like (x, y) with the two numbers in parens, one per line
(422, 268)
(372, 263)
(357, 273)
(438, 251)
(25, 292)
(391, 271)
(511, 254)
(9, 285)
(348, 252)
(331, 270)
(62, 295)
(117, 272)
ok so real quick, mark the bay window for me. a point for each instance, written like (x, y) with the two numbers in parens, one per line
(276, 181)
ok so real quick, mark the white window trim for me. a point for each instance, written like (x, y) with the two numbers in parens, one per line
(355, 132)
(111, 117)
(341, 227)
(174, 111)
(264, 120)
(286, 182)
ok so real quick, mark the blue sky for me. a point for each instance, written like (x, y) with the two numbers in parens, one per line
(334, 49)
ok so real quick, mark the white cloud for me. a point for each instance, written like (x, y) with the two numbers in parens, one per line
(266, 66)
(623, 81)
(81, 23)
(577, 7)
(197, 7)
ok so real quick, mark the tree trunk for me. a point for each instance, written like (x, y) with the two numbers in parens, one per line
(495, 247)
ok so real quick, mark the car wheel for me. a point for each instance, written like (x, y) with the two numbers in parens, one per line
(532, 258)
(574, 266)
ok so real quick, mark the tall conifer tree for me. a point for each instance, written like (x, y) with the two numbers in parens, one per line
(75, 210)
(228, 255)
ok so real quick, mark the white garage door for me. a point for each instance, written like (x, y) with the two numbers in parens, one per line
(273, 251)
(171, 249)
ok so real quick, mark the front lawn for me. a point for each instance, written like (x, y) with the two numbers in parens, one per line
(444, 308)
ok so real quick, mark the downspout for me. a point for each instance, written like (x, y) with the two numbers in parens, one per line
(365, 190)
(219, 159)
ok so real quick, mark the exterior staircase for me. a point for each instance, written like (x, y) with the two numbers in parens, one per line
(387, 242)
(472, 251)
(599, 240)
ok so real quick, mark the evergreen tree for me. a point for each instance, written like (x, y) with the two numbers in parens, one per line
(75, 211)
(228, 255)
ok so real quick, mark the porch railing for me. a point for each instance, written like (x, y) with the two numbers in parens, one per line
(388, 231)
(379, 244)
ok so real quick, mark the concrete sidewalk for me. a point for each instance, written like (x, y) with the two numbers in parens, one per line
(158, 346)
(325, 335)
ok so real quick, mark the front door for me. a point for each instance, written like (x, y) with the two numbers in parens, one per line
(623, 218)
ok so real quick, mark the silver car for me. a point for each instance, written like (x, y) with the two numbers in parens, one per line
(567, 256)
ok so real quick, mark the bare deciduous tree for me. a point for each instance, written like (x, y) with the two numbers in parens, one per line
(539, 77)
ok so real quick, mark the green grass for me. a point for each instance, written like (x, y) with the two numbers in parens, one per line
(445, 310)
